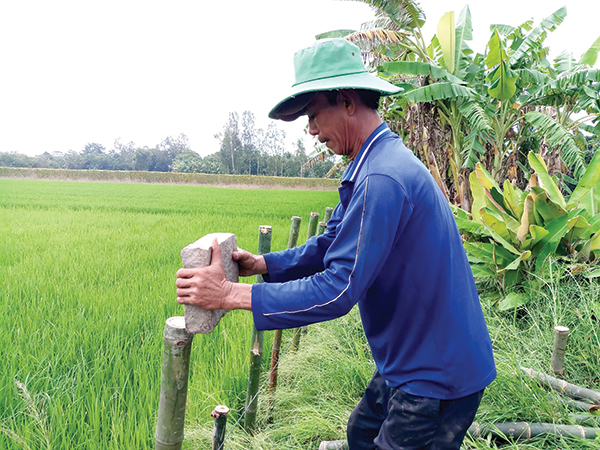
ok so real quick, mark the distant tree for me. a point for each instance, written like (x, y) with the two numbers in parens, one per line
(187, 161)
(13, 159)
(231, 143)
(123, 155)
(173, 146)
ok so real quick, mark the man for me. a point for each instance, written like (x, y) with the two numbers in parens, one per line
(393, 247)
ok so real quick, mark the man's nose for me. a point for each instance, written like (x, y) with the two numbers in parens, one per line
(313, 130)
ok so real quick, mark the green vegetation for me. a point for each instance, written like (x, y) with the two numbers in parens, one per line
(511, 233)
(460, 107)
(87, 273)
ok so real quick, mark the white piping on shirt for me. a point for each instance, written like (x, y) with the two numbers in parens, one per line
(362, 218)
(364, 155)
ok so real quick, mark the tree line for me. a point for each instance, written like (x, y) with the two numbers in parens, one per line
(244, 150)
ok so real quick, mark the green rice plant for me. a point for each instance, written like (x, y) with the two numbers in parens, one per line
(87, 273)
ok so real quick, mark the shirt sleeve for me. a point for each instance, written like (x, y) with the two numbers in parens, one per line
(363, 238)
(304, 260)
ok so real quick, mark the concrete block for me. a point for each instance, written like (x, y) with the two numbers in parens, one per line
(199, 254)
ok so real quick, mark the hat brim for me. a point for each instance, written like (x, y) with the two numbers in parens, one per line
(293, 106)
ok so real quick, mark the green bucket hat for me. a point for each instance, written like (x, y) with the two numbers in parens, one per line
(328, 65)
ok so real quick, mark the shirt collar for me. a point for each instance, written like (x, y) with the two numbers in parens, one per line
(354, 166)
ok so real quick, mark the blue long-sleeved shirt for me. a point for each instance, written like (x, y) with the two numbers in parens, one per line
(393, 247)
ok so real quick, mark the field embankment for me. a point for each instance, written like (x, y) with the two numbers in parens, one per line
(201, 179)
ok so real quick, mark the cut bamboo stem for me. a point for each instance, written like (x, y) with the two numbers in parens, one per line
(312, 230)
(321, 228)
(173, 385)
(571, 390)
(294, 231)
(328, 213)
(520, 431)
(220, 415)
(276, 349)
(561, 334)
(264, 246)
(313, 222)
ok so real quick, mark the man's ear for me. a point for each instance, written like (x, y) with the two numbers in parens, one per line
(346, 98)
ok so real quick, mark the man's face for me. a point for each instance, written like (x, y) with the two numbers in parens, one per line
(329, 123)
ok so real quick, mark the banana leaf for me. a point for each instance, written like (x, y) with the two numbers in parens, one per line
(587, 191)
(549, 23)
(439, 91)
(496, 224)
(514, 199)
(558, 136)
(545, 207)
(591, 55)
(446, 34)
(549, 243)
(537, 164)
(517, 262)
(416, 68)
(527, 218)
(512, 301)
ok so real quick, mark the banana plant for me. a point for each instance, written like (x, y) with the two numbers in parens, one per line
(510, 234)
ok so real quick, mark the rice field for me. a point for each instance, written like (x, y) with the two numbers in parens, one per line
(87, 274)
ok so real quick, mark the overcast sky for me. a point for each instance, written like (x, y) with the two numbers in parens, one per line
(81, 71)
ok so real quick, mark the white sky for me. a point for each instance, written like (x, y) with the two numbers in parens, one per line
(83, 71)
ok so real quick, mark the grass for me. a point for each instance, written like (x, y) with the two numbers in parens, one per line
(87, 276)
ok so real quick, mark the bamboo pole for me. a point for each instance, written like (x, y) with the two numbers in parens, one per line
(294, 231)
(173, 385)
(276, 349)
(524, 430)
(264, 246)
(220, 415)
(571, 390)
(578, 405)
(312, 230)
(561, 334)
(328, 213)
(321, 228)
(312, 224)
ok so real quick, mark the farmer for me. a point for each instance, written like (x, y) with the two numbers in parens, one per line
(392, 246)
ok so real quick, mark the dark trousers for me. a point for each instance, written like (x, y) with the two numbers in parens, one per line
(391, 419)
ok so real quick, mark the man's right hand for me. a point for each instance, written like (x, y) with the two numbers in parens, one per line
(249, 264)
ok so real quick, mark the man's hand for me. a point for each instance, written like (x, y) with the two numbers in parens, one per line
(206, 287)
(249, 264)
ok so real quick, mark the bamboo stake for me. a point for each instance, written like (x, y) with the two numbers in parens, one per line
(571, 390)
(173, 385)
(312, 224)
(321, 228)
(294, 232)
(276, 349)
(220, 414)
(561, 334)
(312, 229)
(264, 246)
(524, 430)
(328, 213)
